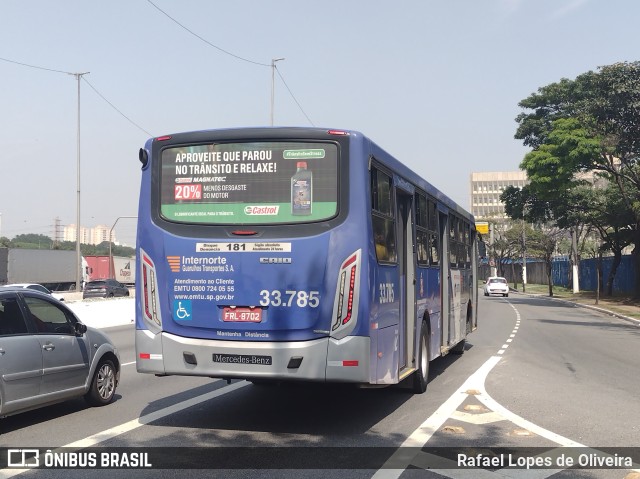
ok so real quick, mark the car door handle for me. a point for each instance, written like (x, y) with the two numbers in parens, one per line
(48, 347)
(2, 351)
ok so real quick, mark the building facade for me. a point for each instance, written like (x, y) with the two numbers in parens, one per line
(486, 188)
(93, 236)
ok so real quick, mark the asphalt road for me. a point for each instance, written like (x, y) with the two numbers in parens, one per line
(536, 373)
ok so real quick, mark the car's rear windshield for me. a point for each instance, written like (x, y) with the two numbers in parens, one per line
(263, 182)
(498, 280)
(96, 283)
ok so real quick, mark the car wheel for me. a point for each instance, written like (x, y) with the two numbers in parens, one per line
(421, 376)
(506, 295)
(103, 385)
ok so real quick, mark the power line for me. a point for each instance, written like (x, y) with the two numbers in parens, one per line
(205, 40)
(86, 81)
(232, 55)
(35, 66)
(114, 107)
(293, 96)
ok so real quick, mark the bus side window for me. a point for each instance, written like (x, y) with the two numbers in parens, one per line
(382, 220)
(422, 235)
(433, 246)
(383, 233)
(422, 238)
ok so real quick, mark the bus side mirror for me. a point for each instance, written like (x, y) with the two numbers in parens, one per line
(143, 156)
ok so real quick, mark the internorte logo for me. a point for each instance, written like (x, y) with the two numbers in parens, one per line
(174, 263)
(263, 210)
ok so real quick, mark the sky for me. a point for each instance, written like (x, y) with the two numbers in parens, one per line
(435, 83)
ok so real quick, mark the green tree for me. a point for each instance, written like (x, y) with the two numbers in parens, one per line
(608, 213)
(591, 123)
(505, 250)
(32, 241)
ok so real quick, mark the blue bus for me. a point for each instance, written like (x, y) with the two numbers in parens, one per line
(297, 254)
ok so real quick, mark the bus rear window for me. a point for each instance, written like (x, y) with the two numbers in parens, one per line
(249, 183)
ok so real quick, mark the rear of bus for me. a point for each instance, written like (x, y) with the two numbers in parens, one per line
(251, 255)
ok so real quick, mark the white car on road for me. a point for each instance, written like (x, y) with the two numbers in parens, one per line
(496, 285)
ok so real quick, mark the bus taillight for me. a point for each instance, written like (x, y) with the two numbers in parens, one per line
(149, 293)
(338, 132)
(345, 309)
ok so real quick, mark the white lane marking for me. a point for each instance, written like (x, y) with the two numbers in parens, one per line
(136, 423)
(473, 418)
(406, 453)
(520, 421)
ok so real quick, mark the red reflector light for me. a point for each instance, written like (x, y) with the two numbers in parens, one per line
(349, 261)
(145, 356)
(350, 363)
(244, 233)
(163, 138)
(338, 132)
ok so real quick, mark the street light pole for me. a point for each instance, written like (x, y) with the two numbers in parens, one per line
(273, 83)
(78, 255)
(111, 272)
(524, 251)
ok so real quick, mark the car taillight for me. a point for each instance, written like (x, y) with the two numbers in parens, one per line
(345, 306)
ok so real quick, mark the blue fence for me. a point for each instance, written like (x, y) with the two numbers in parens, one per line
(624, 281)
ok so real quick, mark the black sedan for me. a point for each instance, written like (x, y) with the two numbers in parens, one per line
(104, 288)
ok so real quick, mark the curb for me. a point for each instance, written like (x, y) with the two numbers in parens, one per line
(634, 321)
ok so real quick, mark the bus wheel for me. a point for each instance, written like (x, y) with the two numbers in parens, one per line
(459, 348)
(421, 376)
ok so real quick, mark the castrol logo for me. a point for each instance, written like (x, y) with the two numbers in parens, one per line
(265, 210)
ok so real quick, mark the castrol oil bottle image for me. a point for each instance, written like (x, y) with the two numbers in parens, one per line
(301, 190)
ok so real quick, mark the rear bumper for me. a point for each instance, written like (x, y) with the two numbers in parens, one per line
(497, 291)
(324, 359)
(96, 294)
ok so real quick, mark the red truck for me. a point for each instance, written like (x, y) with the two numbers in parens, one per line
(122, 268)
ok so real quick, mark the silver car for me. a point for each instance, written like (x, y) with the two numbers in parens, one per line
(38, 287)
(47, 355)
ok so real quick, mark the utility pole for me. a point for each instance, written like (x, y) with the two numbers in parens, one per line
(273, 84)
(524, 250)
(78, 255)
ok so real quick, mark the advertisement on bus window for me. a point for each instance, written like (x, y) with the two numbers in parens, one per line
(250, 183)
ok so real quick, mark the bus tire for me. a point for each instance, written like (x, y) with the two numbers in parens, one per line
(459, 348)
(421, 376)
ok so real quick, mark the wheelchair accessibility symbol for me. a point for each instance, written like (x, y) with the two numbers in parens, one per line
(182, 310)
